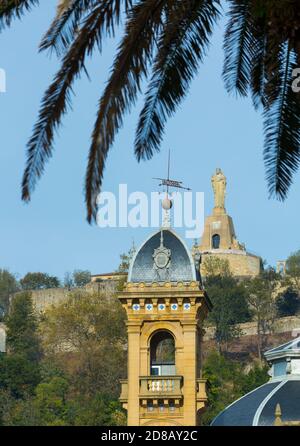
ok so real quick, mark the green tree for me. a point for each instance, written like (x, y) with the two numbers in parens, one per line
(228, 381)
(229, 307)
(19, 369)
(81, 278)
(50, 402)
(38, 281)
(6, 404)
(8, 286)
(22, 337)
(261, 301)
(68, 280)
(94, 331)
(293, 271)
(18, 375)
(125, 260)
(215, 266)
(288, 303)
(168, 38)
(99, 410)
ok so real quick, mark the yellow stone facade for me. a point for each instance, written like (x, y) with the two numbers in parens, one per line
(179, 309)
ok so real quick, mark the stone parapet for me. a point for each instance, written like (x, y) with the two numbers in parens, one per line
(282, 325)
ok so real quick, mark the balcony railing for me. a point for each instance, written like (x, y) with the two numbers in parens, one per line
(152, 387)
(155, 386)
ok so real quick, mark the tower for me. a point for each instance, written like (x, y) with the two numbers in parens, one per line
(219, 230)
(219, 238)
(165, 308)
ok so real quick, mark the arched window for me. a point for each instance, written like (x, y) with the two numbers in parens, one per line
(162, 354)
(216, 241)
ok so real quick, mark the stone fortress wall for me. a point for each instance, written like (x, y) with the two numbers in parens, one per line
(283, 325)
(290, 324)
(241, 263)
(46, 298)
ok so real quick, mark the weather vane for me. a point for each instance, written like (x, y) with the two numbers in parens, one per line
(167, 202)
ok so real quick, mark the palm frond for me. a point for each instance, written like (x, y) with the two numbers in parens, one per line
(180, 50)
(258, 75)
(239, 44)
(57, 97)
(130, 66)
(282, 130)
(12, 9)
(273, 69)
(67, 23)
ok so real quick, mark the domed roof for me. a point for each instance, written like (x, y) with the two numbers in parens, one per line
(258, 407)
(163, 257)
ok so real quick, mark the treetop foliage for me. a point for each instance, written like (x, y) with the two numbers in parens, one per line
(39, 281)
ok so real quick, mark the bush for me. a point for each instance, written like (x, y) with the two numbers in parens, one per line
(288, 304)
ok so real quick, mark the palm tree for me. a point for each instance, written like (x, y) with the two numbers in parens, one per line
(164, 42)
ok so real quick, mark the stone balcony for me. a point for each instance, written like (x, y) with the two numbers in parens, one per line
(153, 387)
(164, 387)
(201, 393)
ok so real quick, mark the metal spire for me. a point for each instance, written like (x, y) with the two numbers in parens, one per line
(167, 202)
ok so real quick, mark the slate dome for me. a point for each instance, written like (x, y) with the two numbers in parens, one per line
(258, 407)
(163, 257)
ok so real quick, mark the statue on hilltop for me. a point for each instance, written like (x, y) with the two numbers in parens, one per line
(219, 182)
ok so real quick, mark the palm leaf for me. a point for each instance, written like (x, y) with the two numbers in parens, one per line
(58, 95)
(65, 25)
(11, 9)
(273, 69)
(282, 130)
(130, 66)
(180, 50)
(239, 45)
(258, 75)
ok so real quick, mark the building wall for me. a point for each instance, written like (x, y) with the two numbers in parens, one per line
(242, 264)
(43, 299)
(222, 225)
(109, 276)
(2, 338)
(282, 325)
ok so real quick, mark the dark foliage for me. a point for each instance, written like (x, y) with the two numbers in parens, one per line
(288, 303)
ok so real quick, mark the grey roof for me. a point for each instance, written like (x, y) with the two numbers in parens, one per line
(288, 396)
(291, 348)
(181, 267)
(257, 408)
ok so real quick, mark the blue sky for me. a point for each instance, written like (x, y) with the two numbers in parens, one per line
(209, 130)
